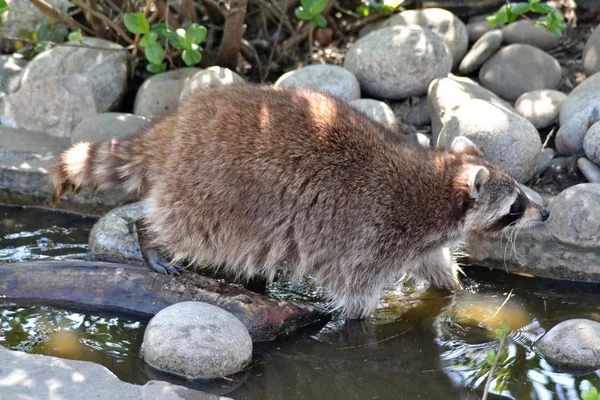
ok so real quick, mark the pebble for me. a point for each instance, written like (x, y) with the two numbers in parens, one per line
(54, 105)
(420, 138)
(398, 61)
(481, 51)
(520, 68)
(526, 32)
(106, 126)
(541, 107)
(210, 78)
(571, 135)
(591, 53)
(160, 93)
(545, 160)
(477, 27)
(507, 139)
(590, 170)
(413, 111)
(572, 344)
(575, 215)
(582, 96)
(377, 111)
(197, 340)
(106, 69)
(591, 143)
(331, 79)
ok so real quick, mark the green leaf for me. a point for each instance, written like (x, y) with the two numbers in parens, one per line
(306, 4)
(75, 36)
(320, 21)
(136, 23)
(302, 14)
(157, 68)
(317, 7)
(534, 1)
(505, 328)
(154, 53)
(490, 357)
(191, 57)
(195, 34)
(543, 9)
(518, 9)
(363, 10)
(182, 42)
(148, 39)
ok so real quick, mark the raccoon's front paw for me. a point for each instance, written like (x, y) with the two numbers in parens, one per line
(159, 264)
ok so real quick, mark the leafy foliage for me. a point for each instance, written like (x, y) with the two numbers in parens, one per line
(39, 39)
(590, 394)
(3, 9)
(378, 7)
(510, 12)
(310, 10)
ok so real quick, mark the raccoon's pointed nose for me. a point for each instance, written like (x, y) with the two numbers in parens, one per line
(544, 213)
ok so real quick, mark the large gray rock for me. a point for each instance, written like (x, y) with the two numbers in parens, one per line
(591, 143)
(575, 216)
(35, 376)
(398, 61)
(481, 51)
(571, 135)
(106, 126)
(105, 66)
(160, 94)
(446, 95)
(210, 78)
(377, 111)
(197, 340)
(507, 139)
(331, 79)
(591, 53)
(526, 32)
(10, 70)
(54, 105)
(442, 22)
(572, 344)
(540, 107)
(520, 68)
(586, 94)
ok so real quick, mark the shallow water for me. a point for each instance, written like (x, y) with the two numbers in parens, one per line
(420, 345)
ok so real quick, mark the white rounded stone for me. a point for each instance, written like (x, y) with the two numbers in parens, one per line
(331, 79)
(540, 107)
(378, 111)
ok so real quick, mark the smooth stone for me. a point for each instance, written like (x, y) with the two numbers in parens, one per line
(481, 51)
(54, 105)
(532, 195)
(583, 96)
(197, 340)
(105, 68)
(378, 111)
(520, 68)
(420, 138)
(331, 79)
(540, 107)
(398, 61)
(477, 27)
(560, 162)
(160, 93)
(572, 344)
(36, 376)
(591, 143)
(571, 135)
(107, 126)
(525, 32)
(210, 78)
(590, 170)
(507, 139)
(446, 95)
(591, 53)
(441, 22)
(10, 70)
(413, 111)
(575, 216)
(545, 160)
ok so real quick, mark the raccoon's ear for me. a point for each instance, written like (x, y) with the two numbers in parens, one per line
(477, 176)
(464, 145)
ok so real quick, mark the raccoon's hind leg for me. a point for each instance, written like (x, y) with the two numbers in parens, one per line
(439, 268)
(152, 257)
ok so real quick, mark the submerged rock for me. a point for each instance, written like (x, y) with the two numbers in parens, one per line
(197, 340)
(331, 79)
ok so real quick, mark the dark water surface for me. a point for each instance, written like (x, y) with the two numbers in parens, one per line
(422, 345)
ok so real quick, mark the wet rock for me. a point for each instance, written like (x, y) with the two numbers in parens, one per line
(413, 111)
(591, 143)
(525, 32)
(481, 51)
(507, 139)
(331, 79)
(520, 68)
(532, 195)
(398, 61)
(197, 340)
(583, 96)
(210, 78)
(571, 135)
(591, 53)
(545, 160)
(115, 234)
(446, 95)
(477, 27)
(72, 378)
(572, 344)
(10, 69)
(54, 106)
(575, 216)
(378, 111)
(105, 68)
(442, 22)
(540, 107)
(107, 126)
(590, 170)
(420, 138)
(160, 94)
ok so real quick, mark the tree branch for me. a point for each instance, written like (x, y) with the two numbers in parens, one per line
(105, 19)
(233, 32)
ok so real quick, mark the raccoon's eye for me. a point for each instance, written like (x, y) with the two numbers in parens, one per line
(518, 206)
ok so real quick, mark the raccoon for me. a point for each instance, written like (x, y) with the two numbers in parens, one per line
(251, 178)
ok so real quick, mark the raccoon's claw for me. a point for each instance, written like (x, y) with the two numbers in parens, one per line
(158, 264)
